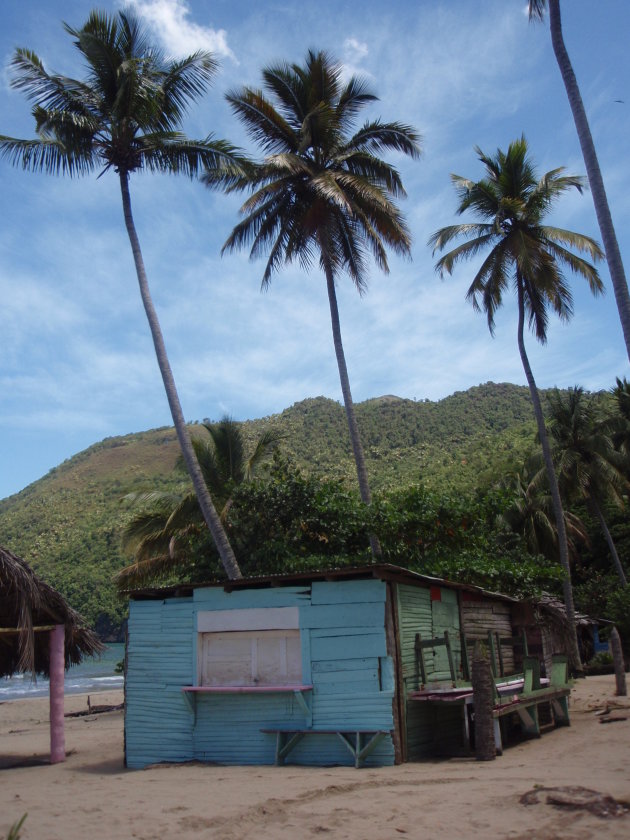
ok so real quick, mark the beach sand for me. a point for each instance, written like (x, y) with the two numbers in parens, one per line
(91, 796)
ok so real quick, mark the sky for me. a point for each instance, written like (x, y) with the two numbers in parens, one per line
(76, 359)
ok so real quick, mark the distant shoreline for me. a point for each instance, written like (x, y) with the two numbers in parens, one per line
(89, 677)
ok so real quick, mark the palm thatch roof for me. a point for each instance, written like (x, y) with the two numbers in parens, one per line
(27, 603)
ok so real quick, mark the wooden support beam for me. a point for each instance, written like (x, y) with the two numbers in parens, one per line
(56, 688)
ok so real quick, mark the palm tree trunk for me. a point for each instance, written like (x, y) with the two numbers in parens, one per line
(355, 438)
(596, 182)
(592, 503)
(563, 549)
(205, 502)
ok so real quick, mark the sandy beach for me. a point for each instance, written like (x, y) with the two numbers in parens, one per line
(93, 796)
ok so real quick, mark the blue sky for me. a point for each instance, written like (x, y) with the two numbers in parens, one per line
(76, 359)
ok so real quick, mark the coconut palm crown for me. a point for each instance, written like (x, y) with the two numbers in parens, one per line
(511, 203)
(321, 192)
(126, 116)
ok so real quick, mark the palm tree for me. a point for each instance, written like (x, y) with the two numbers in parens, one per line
(512, 203)
(125, 116)
(587, 464)
(320, 191)
(159, 537)
(621, 421)
(596, 182)
(531, 515)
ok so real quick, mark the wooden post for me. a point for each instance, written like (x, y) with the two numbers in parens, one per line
(483, 698)
(56, 689)
(619, 663)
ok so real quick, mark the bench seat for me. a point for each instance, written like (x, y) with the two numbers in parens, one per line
(359, 742)
(531, 696)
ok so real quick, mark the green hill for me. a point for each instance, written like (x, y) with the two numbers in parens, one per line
(67, 525)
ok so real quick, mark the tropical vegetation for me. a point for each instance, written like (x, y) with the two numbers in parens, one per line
(160, 535)
(126, 116)
(511, 203)
(321, 191)
(588, 465)
(443, 496)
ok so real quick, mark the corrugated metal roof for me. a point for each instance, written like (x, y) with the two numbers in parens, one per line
(382, 571)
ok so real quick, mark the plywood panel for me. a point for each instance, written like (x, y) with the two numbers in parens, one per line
(348, 615)
(348, 592)
(348, 647)
(277, 596)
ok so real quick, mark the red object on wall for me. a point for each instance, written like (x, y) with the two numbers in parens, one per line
(436, 593)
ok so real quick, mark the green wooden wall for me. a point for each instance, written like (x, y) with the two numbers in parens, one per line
(430, 730)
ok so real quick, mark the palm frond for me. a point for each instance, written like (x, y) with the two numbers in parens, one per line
(147, 570)
(58, 93)
(352, 99)
(575, 240)
(48, 156)
(175, 154)
(265, 444)
(263, 123)
(440, 239)
(489, 284)
(463, 251)
(373, 169)
(185, 81)
(288, 89)
(185, 515)
(537, 9)
(378, 137)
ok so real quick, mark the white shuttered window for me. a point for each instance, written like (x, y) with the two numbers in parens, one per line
(254, 647)
(258, 657)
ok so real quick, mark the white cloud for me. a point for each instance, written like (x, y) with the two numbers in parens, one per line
(170, 20)
(354, 51)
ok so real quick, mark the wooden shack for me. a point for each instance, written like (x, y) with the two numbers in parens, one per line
(315, 668)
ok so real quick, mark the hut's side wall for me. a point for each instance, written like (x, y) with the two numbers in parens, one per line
(480, 616)
(344, 658)
(158, 724)
(429, 611)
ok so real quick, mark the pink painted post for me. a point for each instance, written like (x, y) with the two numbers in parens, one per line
(57, 669)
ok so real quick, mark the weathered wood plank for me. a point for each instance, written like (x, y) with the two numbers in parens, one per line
(351, 615)
(339, 592)
(349, 647)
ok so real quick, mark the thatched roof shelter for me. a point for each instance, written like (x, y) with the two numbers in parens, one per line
(28, 607)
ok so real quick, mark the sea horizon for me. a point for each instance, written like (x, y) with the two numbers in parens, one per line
(93, 675)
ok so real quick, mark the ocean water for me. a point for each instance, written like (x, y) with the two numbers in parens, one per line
(91, 675)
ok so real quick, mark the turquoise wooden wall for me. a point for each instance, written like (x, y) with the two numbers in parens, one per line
(430, 730)
(158, 724)
(344, 657)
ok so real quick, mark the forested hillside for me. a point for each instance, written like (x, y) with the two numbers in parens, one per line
(68, 524)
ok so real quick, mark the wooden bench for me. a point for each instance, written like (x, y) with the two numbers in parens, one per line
(520, 695)
(525, 704)
(352, 739)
